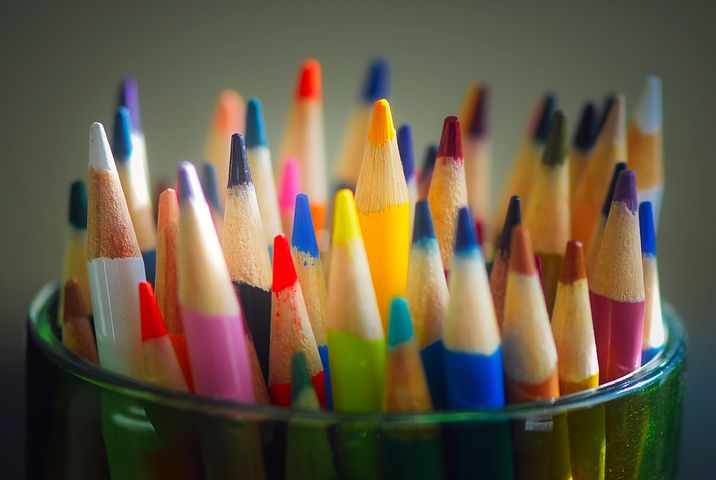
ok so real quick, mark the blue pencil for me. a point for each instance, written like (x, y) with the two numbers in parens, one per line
(405, 147)
(653, 339)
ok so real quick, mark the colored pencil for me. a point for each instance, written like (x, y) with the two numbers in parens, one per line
(77, 334)
(304, 140)
(114, 263)
(210, 310)
(228, 118)
(473, 356)
(211, 192)
(383, 207)
(598, 233)
(645, 146)
(577, 363)
(654, 335)
(290, 329)
(501, 260)
(136, 190)
(478, 160)
(426, 172)
(405, 147)
(167, 278)
(529, 152)
(245, 251)
(427, 295)
(547, 217)
(531, 373)
(585, 135)
(128, 96)
(448, 191)
(262, 170)
(356, 344)
(375, 86)
(75, 255)
(161, 366)
(589, 194)
(617, 287)
(289, 188)
(308, 449)
(309, 269)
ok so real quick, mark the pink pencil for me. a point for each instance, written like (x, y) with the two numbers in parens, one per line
(617, 288)
(288, 189)
(212, 317)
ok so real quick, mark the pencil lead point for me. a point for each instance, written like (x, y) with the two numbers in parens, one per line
(309, 83)
(618, 168)
(303, 237)
(128, 96)
(78, 205)
(189, 185)
(210, 185)
(465, 238)
(405, 147)
(400, 325)
(522, 259)
(100, 155)
(381, 124)
(153, 325)
(284, 272)
(544, 121)
(345, 221)
(646, 228)
(423, 224)
(451, 139)
(512, 219)
(586, 133)
(255, 127)
(649, 111)
(431, 154)
(555, 151)
(377, 81)
(625, 190)
(122, 138)
(290, 184)
(573, 266)
(239, 172)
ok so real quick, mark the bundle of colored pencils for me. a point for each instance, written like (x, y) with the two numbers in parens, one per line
(428, 300)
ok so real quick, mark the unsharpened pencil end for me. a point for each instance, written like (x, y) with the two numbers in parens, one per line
(405, 147)
(239, 172)
(345, 219)
(465, 238)
(544, 121)
(77, 213)
(255, 127)
(153, 325)
(451, 139)
(478, 122)
(555, 151)
(100, 155)
(210, 185)
(649, 111)
(618, 168)
(122, 138)
(522, 260)
(423, 224)
(625, 190)
(309, 83)
(573, 266)
(377, 82)
(290, 184)
(381, 129)
(646, 228)
(303, 237)
(284, 272)
(400, 325)
(128, 96)
(513, 218)
(189, 185)
(587, 129)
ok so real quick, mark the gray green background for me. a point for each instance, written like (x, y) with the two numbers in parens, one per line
(61, 62)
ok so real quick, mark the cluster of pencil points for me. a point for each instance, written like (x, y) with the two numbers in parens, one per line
(402, 294)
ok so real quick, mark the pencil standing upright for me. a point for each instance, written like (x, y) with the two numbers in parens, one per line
(136, 190)
(383, 209)
(547, 216)
(245, 251)
(228, 118)
(501, 260)
(654, 335)
(303, 140)
(585, 135)
(448, 191)
(645, 146)
(376, 86)
(617, 287)
(75, 257)
(426, 171)
(211, 192)
(427, 295)
(405, 147)
(289, 188)
(128, 97)
(262, 171)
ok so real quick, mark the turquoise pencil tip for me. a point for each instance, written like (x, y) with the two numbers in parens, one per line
(255, 127)
(400, 325)
(122, 140)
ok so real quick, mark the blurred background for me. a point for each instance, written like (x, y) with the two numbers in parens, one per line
(61, 64)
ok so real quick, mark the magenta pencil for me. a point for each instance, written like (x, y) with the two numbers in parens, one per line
(212, 317)
(617, 288)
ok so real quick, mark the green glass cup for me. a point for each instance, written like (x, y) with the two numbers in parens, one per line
(87, 423)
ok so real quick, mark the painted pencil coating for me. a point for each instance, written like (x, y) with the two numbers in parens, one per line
(654, 334)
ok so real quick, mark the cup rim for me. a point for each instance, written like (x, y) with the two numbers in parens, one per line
(40, 331)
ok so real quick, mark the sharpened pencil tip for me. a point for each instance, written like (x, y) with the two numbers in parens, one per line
(255, 127)
(381, 129)
(189, 185)
(544, 121)
(451, 139)
(303, 237)
(646, 228)
(400, 325)
(309, 83)
(345, 220)
(555, 151)
(478, 123)
(153, 325)
(100, 155)
(129, 97)
(405, 147)
(465, 238)
(586, 134)
(522, 260)
(618, 168)
(284, 272)
(290, 184)
(423, 224)
(573, 266)
(122, 138)
(649, 111)
(431, 154)
(625, 190)
(239, 172)
(377, 81)
(512, 218)
(77, 213)
(227, 114)
(210, 185)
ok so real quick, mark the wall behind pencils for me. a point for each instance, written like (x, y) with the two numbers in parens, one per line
(60, 66)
